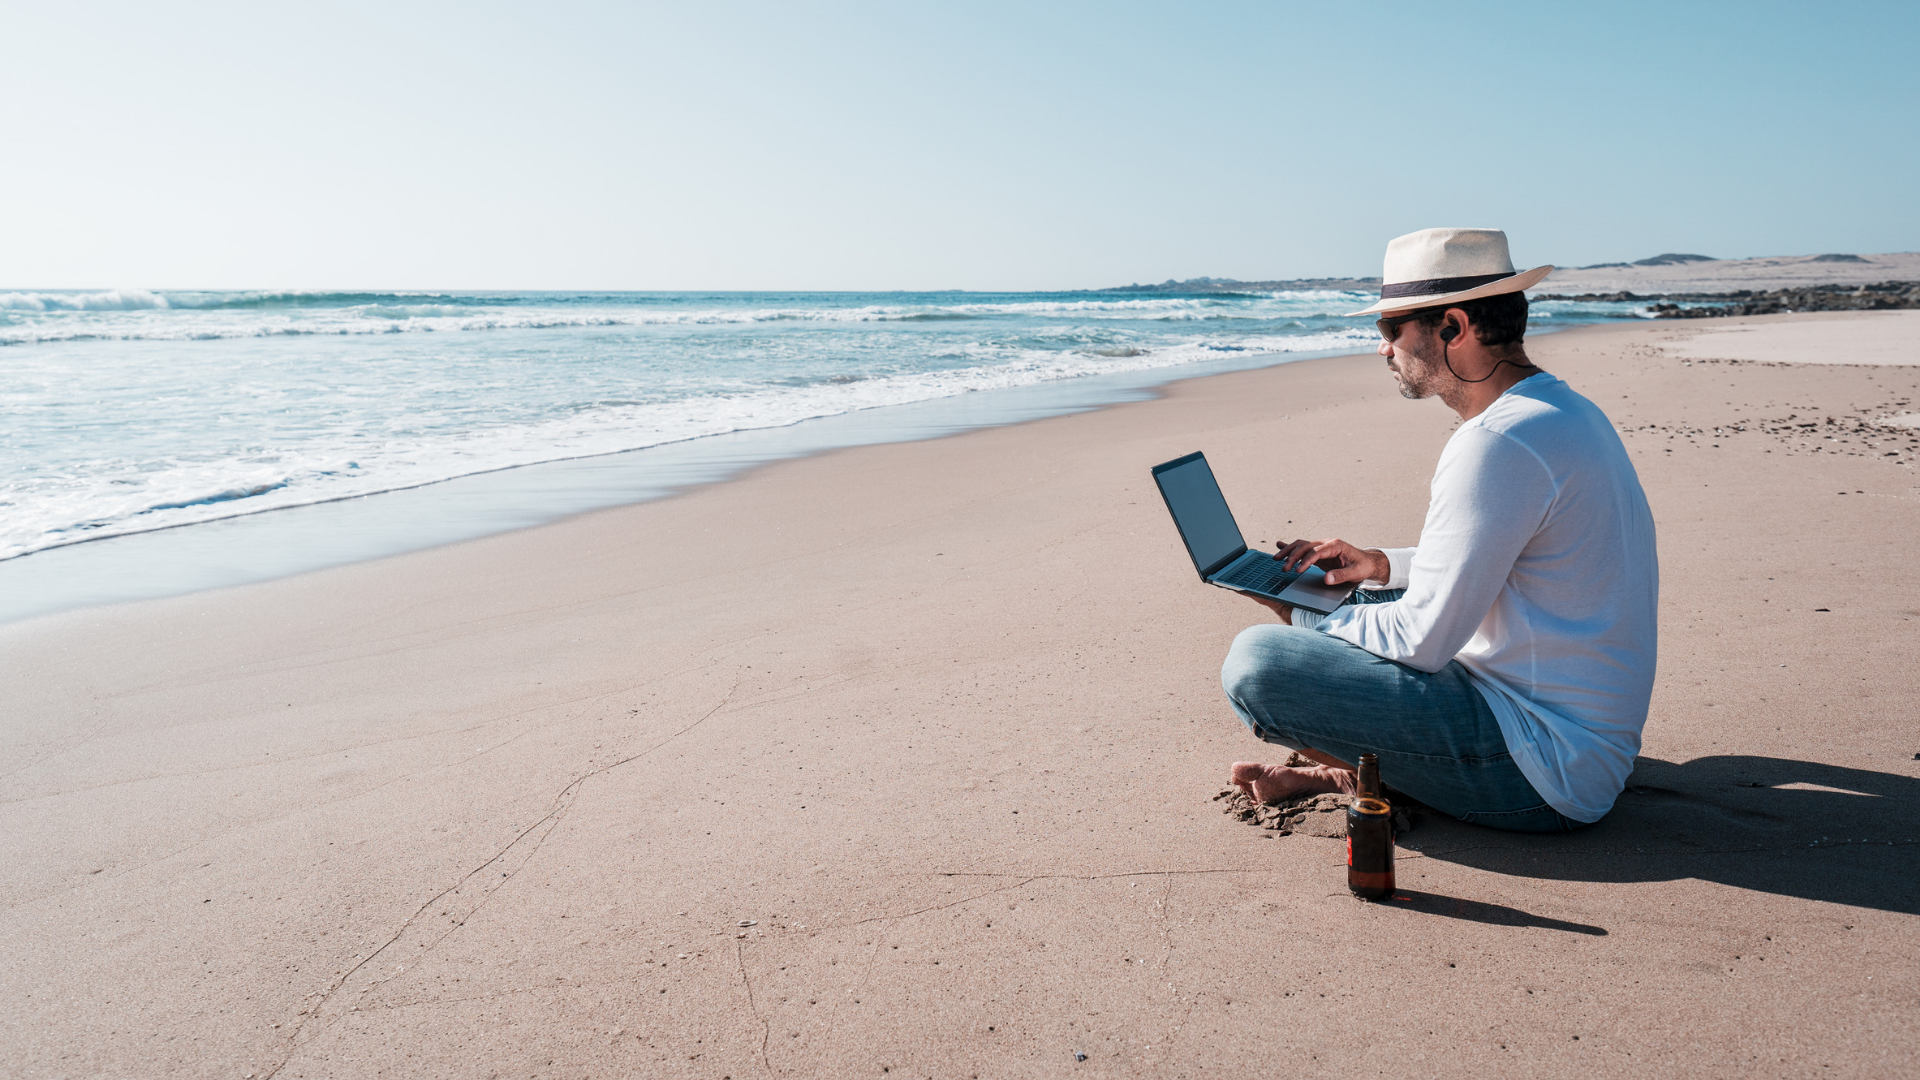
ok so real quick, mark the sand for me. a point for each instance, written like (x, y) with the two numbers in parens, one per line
(898, 761)
(1874, 337)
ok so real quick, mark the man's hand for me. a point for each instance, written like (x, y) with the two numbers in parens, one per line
(1342, 561)
(1285, 611)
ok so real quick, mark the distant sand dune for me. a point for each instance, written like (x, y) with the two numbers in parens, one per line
(1728, 275)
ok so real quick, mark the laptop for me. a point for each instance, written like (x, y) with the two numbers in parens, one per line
(1221, 554)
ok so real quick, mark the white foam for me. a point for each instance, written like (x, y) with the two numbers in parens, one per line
(114, 300)
(107, 496)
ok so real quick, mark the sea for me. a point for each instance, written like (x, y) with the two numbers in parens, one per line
(154, 442)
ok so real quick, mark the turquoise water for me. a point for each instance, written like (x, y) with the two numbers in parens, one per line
(132, 412)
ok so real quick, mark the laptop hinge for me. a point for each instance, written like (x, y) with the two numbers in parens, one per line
(1223, 563)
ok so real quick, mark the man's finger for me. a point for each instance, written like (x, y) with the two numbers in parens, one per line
(1324, 550)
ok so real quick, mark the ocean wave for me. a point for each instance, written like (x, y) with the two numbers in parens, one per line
(228, 494)
(111, 300)
(98, 499)
(412, 311)
(304, 300)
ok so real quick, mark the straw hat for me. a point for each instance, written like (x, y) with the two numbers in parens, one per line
(1448, 266)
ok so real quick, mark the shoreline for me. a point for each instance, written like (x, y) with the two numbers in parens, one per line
(277, 542)
(902, 757)
(332, 396)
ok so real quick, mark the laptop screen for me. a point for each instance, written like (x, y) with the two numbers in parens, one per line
(1201, 511)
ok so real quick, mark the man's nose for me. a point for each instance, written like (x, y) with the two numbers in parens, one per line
(1386, 349)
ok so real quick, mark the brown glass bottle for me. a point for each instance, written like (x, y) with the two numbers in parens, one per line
(1370, 836)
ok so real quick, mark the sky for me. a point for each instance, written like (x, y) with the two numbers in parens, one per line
(985, 145)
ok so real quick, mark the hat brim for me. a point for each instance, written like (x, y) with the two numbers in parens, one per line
(1526, 279)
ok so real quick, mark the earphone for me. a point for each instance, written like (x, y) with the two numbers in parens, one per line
(1447, 334)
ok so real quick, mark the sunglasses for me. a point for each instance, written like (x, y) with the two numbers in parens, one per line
(1390, 327)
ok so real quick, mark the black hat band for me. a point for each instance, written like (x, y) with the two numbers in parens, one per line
(1436, 286)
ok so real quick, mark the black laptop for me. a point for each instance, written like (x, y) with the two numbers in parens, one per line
(1221, 554)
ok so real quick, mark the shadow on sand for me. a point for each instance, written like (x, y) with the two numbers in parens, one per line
(1453, 907)
(1793, 828)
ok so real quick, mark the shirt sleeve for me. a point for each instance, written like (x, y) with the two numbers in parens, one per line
(1490, 496)
(1399, 559)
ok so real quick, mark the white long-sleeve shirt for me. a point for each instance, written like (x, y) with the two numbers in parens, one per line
(1536, 570)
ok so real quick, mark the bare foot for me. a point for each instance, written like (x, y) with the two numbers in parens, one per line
(1278, 783)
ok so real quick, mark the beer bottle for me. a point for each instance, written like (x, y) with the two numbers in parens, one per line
(1370, 836)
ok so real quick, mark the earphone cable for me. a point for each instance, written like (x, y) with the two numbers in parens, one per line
(1447, 334)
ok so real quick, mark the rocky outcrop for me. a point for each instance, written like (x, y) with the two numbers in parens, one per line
(1884, 296)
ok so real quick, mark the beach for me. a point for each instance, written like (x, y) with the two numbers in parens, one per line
(900, 760)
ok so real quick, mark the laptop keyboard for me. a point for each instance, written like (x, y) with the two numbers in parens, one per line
(1262, 574)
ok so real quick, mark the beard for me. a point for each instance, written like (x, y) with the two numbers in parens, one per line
(1412, 375)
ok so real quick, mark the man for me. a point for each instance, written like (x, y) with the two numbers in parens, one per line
(1501, 669)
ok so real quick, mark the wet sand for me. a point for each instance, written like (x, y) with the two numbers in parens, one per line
(899, 761)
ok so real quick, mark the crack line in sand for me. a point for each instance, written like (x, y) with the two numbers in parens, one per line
(313, 1012)
(562, 803)
(1166, 928)
(1166, 965)
(940, 907)
(766, 1026)
(1186, 1014)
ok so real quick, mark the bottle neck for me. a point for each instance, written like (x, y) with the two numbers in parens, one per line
(1368, 781)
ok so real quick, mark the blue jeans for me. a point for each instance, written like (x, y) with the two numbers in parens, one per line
(1435, 736)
